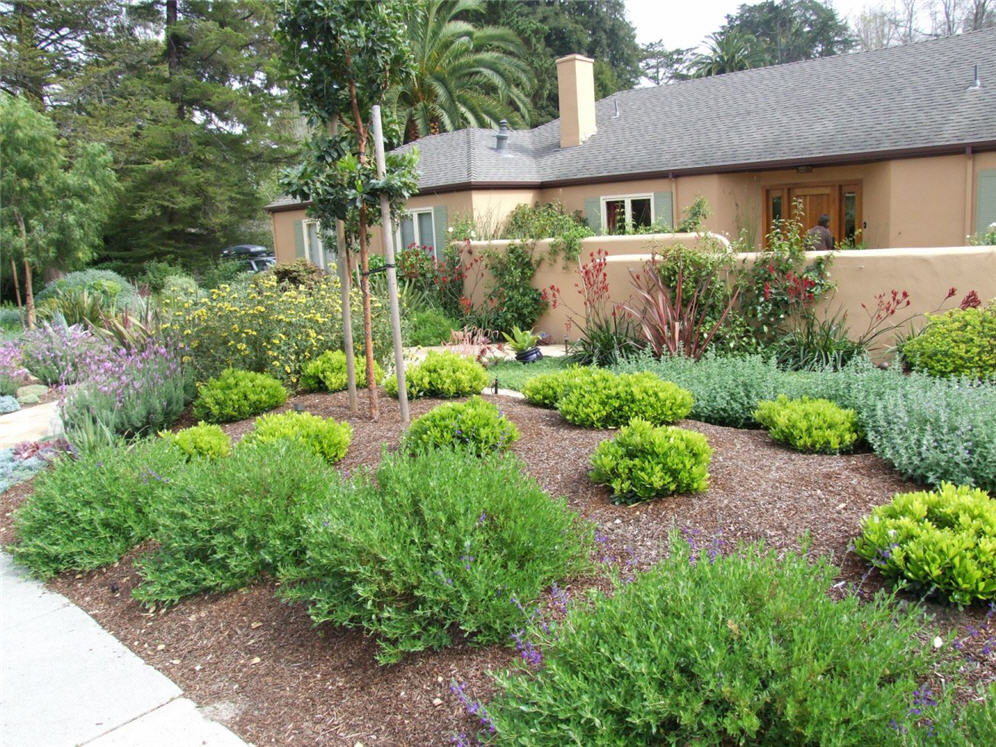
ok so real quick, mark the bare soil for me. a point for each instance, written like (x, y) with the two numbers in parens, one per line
(259, 665)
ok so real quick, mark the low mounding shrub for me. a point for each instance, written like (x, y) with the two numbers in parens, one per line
(943, 540)
(812, 425)
(435, 545)
(327, 372)
(237, 395)
(431, 326)
(644, 462)
(608, 400)
(960, 342)
(744, 649)
(201, 440)
(227, 522)
(441, 375)
(88, 513)
(8, 404)
(546, 389)
(936, 430)
(114, 290)
(475, 424)
(324, 436)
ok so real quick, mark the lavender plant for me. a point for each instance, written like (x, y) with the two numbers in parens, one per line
(12, 371)
(57, 353)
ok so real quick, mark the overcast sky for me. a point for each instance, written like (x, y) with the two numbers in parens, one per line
(685, 23)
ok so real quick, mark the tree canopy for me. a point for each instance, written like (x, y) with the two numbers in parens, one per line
(789, 31)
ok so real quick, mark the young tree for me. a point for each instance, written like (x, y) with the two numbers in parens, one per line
(50, 214)
(343, 57)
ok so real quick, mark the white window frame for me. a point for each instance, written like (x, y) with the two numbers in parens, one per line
(628, 201)
(413, 214)
(309, 252)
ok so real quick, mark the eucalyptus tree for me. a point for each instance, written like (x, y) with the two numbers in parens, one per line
(341, 58)
(462, 75)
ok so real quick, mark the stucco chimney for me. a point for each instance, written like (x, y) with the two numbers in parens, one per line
(576, 86)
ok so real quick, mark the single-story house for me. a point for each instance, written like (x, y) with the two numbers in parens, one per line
(897, 145)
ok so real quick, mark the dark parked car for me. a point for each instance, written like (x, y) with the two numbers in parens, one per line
(255, 257)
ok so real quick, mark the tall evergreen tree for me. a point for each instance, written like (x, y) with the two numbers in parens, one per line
(790, 30)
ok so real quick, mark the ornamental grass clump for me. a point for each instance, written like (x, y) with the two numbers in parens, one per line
(811, 425)
(237, 395)
(435, 546)
(608, 400)
(960, 342)
(941, 541)
(441, 375)
(327, 372)
(326, 437)
(201, 440)
(227, 522)
(545, 390)
(87, 513)
(644, 462)
(476, 425)
(745, 648)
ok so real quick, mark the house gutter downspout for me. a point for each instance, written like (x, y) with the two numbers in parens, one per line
(969, 190)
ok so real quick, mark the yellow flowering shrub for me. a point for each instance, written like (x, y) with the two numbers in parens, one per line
(267, 327)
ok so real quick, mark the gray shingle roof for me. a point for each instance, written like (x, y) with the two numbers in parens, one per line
(903, 99)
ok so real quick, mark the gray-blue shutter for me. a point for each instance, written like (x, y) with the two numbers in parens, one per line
(986, 212)
(299, 238)
(664, 208)
(439, 227)
(593, 212)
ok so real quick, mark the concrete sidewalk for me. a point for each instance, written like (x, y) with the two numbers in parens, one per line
(30, 424)
(64, 680)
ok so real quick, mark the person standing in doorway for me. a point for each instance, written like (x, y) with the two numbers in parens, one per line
(819, 238)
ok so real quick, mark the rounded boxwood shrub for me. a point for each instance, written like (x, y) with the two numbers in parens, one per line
(812, 425)
(943, 540)
(745, 648)
(324, 436)
(327, 372)
(608, 400)
(441, 375)
(237, 395)
(545, 390)
(475, 424)
(960, 342)
(201, 440)
(644, 462)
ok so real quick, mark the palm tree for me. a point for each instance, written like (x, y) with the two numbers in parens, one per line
(727, 52)
(463, 76)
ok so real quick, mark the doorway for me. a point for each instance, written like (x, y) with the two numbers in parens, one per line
(806, 203)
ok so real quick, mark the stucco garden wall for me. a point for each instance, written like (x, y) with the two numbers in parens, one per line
(925, 273)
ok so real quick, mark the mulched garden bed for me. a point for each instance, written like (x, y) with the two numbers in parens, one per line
(259, 665)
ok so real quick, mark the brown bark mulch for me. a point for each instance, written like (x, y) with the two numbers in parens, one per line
(259, 665)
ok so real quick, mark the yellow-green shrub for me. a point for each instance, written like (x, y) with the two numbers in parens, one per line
(475, 424)
(201, 440)
(237, 395)
(441, 375)
(943, 540)
(327, 372)
(546, 389)
(324, 436)
(960, 342)
(608, 400)
(812, 425)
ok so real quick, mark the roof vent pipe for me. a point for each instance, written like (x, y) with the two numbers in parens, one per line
(501, 138)
(977, 83)
(615, 115)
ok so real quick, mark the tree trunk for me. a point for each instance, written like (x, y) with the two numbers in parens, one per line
(29, 297)
(173, 56)
(17, 290)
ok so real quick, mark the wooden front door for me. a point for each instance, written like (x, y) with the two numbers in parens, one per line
(806, 203)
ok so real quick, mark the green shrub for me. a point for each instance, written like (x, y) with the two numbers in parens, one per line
(547, 389)
(201, 440)
(475, 424)
(441, 375)
(326, 437)
(942, 541)
(89, 512)
(610, 400)
(435, 545)
(8, 404)
(227, 522)
(960, 342)
(812, 425)
(747, 649)
(237, 395)
(934, 430)
(327, 372)
(644, 462)
(432, 326)
(114, 290)
(156, 273)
